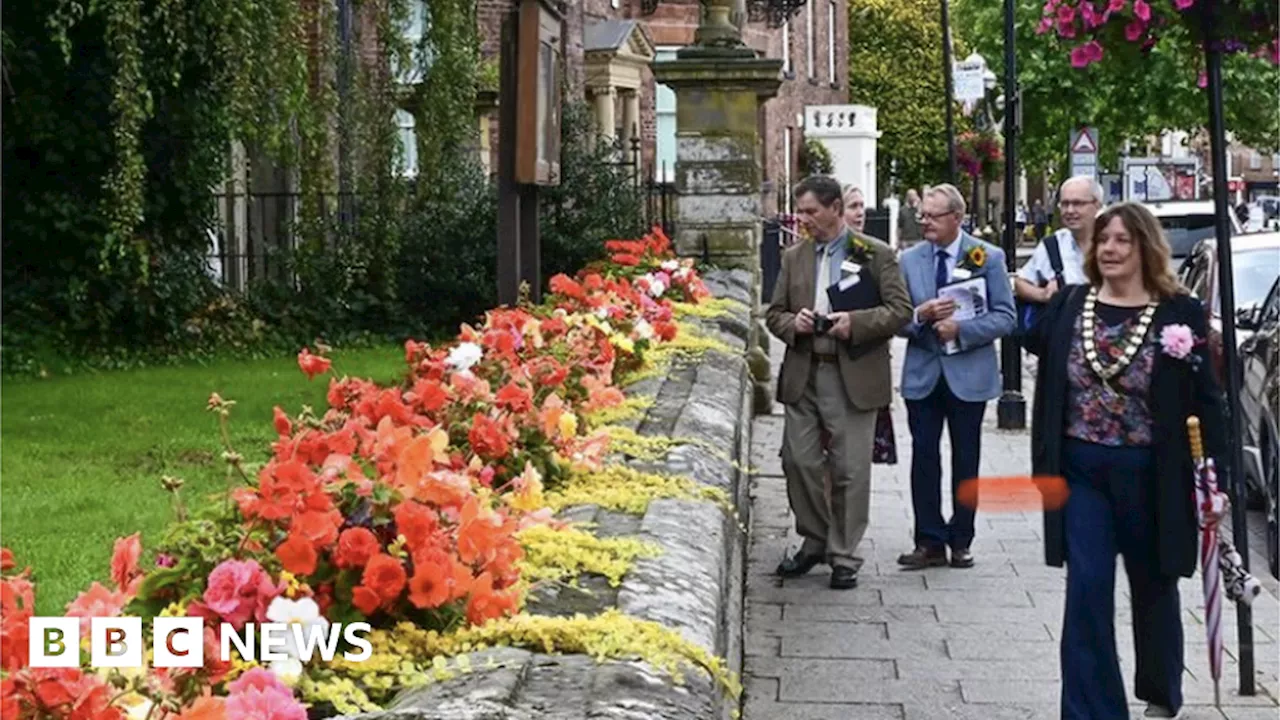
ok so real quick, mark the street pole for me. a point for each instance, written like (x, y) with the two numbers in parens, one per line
(1226, 285)
(1011, 411)
(947, 82)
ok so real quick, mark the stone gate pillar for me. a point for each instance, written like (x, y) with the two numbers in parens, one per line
(719, 150)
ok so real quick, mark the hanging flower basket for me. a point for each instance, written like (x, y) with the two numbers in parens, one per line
(980, 155)
(1126, 26)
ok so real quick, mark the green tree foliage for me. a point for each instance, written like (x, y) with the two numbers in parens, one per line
(895, 62)
(1127, 96)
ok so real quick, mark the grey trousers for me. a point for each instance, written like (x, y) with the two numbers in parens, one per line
(833, 528)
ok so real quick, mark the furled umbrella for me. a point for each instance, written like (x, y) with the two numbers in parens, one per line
(1210, 505)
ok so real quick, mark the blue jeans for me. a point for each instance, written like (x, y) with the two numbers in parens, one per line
(1110, 510)
(964, 424)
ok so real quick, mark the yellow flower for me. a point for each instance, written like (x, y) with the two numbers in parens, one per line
(978, 256)
(568, 425)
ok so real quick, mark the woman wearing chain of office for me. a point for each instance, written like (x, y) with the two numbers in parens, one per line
(1122, 365)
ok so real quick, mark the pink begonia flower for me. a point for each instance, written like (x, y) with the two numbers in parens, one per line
(1177, 340)
(1142, 10)
(1133, 31)
(1183, 4)
(1046, 24)
(259, 695)
(1117, 5)
(239, 591)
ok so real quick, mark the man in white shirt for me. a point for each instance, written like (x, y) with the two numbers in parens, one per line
(1080, 200)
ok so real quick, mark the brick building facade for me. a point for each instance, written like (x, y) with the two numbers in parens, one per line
(610, 42)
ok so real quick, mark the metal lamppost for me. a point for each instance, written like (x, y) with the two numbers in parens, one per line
(947, 71)
(1226, 286)
(1011, 411)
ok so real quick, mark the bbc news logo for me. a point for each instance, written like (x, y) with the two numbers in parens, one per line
(178, 642)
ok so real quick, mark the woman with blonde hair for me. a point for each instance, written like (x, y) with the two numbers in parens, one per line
(1122, 365)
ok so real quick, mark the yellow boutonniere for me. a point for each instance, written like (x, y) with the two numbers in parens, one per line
(977, 256)
(858, 250)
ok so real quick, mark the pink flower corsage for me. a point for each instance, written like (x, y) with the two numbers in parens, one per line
(1178, 342)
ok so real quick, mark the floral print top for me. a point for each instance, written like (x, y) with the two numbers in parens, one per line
(1117, 415)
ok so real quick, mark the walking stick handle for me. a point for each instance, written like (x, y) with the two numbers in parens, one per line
(1197, 442)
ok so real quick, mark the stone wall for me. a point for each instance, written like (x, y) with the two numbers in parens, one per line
(694, 586)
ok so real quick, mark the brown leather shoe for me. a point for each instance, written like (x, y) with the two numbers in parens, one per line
(923, 558)
(961, 558)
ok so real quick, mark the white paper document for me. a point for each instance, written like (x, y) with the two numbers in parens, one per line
(970, 297)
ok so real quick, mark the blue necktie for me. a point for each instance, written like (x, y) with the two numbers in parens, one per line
(940, 273)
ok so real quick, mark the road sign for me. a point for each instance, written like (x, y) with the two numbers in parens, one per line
(1084, 152)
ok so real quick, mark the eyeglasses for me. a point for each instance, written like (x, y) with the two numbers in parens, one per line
(922, 216)
(1076, 203)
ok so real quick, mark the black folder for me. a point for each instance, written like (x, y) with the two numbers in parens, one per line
(863, 295)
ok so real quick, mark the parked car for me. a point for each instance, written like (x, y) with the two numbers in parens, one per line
(1187, 222)
(1259, 405)
(1255, 265)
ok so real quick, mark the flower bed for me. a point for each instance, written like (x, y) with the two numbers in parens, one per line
(426, 509)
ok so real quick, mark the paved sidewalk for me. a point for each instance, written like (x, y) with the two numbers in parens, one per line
(942, 643)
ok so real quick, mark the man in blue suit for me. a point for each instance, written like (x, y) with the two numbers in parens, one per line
(950, 371)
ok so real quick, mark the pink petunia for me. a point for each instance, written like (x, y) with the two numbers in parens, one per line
(1183, 4)
(1133, 31)
(1142, 10)
(1066, 14)
(1202, 81)
(1117, 5)
(239, 591)
(1046, 24)
(259, 695)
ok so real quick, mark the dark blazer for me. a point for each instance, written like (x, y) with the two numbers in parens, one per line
(1178, 390)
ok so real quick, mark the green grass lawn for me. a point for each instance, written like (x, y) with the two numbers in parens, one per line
(83, 455)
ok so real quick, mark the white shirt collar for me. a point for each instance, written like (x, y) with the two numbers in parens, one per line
(953, 249)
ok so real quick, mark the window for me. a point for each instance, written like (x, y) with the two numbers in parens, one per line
(1275, 161)
(808, 21)
(664, 101)
(406, 130)
(1255, 161)
(421, 55)
(786, 47)
(831, 42)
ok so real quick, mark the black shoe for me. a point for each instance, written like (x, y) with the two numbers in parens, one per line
(844, 578)
(961, 558)
(923, 558)
(798, 564)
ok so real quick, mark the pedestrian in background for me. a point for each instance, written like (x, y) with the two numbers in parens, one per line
(1039, 218)
(909, 220)
(885, 450)
(951, 389)
(1122, 365)
(1058, 260)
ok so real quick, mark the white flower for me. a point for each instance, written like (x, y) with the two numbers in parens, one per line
(602, 312)
(304, 612)
(681, 274)
(643, 329)
(656, 288)
(464, 355)
(670, 265)
(139, 707)
(288, 670)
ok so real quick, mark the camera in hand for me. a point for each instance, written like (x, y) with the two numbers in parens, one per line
(822, 324)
